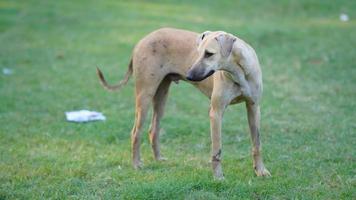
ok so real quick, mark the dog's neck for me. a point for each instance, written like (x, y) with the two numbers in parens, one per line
(234, 68)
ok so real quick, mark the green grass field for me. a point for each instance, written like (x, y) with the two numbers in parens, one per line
(308, 109)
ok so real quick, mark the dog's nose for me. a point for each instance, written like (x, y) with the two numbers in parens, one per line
(189, 76)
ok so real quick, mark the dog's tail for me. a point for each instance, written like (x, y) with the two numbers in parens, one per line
(120, 84)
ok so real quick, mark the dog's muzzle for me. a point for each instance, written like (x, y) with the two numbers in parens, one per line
(198, 76)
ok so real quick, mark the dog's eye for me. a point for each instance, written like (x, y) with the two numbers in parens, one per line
(208, 54)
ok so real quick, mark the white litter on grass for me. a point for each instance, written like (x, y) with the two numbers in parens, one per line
(84, 116)
(344, 17)
(7, 71)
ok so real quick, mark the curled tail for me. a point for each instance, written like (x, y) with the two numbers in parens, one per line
(120, 84)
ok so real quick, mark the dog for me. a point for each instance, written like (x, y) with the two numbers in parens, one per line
(223, 67)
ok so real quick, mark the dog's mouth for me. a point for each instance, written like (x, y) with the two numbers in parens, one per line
(191, 77)
(209, 74)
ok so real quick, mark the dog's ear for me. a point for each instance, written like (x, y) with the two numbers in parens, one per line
(226, 42)
(201, 37)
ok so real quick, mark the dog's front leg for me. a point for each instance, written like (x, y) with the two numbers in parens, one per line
(253, 114)
(216, 115)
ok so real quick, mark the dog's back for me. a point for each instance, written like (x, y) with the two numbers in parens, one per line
(165, 50)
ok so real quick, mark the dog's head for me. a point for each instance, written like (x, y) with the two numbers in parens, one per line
(214, 49)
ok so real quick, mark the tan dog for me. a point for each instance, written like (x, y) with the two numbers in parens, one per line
(220, 65)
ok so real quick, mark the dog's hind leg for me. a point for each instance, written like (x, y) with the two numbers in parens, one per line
(159, 101)
(144, 97)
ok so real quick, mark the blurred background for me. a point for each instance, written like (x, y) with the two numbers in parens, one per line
(48, 54)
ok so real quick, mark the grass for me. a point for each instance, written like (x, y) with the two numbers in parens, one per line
(308, 109)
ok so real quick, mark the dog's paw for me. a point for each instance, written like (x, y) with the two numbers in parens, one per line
(217, 171)
(219, 178)
(137, 165)
(161, 158)
(262, 171)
